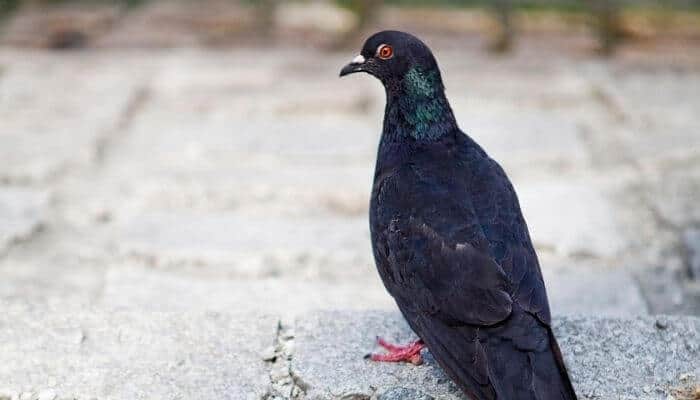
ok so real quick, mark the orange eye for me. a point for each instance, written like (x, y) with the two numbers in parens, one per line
(385, 52)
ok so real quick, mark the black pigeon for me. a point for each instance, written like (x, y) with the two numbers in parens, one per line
(450, 241)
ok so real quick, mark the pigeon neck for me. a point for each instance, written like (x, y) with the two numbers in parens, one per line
(417, 108)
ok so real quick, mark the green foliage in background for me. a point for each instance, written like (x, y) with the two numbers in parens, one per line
(356, 5)
(127, 3)
(559, 5)
(7, 6)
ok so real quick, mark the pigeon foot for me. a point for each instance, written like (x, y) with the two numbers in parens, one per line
(395, 353)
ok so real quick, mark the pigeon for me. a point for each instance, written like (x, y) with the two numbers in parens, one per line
(450, 242)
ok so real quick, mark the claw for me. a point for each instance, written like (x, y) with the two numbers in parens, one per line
(409, 353)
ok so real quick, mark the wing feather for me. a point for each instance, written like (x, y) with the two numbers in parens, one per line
(453, 281)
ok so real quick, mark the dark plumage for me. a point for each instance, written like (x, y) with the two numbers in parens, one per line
(450, 241)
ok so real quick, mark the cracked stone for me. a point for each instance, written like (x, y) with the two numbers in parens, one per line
(269, 353)
(691, 240)
(289, 348)
(279, 373)
(41, 138)
(22, 212)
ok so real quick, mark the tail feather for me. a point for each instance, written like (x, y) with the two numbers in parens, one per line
(498, 363)
(567, 387)
(464, 367)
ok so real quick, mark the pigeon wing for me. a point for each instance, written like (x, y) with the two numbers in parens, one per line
(451, 281)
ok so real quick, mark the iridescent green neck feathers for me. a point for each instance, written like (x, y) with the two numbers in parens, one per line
(423, 110)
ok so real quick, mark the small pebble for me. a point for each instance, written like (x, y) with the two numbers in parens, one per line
(289, 349)
(285, 381)
(280, 373)
(288, 334)
(103, 216)
(269, 354)
(47, 395)
(661, 323)
(688, 376)
(79, 336)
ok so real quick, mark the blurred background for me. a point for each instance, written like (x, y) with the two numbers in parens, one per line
(204, 155)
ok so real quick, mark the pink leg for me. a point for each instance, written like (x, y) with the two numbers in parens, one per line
(409, 353)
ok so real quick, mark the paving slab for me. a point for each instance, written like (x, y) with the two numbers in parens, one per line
(50, 120)
(63, 283)
(249, 246)
(147, 289)
(293, 189)
(91, 354)
(57, 265)
(660, 124)
(523, 137)
(588, 289)
(639, 358)
(673, 189)
(22, 212)
(572, 217)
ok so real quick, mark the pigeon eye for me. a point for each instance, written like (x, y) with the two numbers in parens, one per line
(385, 52)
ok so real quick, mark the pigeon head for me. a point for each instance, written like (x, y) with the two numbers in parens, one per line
(392, 57)
(416, 104)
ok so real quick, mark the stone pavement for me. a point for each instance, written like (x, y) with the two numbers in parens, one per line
(143, 185)
(637, 358)
(50, 354)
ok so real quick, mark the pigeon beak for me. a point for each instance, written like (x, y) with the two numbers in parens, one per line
(354, 66)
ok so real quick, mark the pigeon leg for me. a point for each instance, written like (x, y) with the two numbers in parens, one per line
(409, 353)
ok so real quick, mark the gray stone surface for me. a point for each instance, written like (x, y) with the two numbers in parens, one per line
(63, 283)
(249, 246)
(691, 240)
(586, 289)
(22, 212)
(91, 354)
(45, 135)
(590, 226)
(134, 288)
(639, 358)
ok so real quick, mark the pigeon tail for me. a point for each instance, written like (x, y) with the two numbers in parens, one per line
(517, 359)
